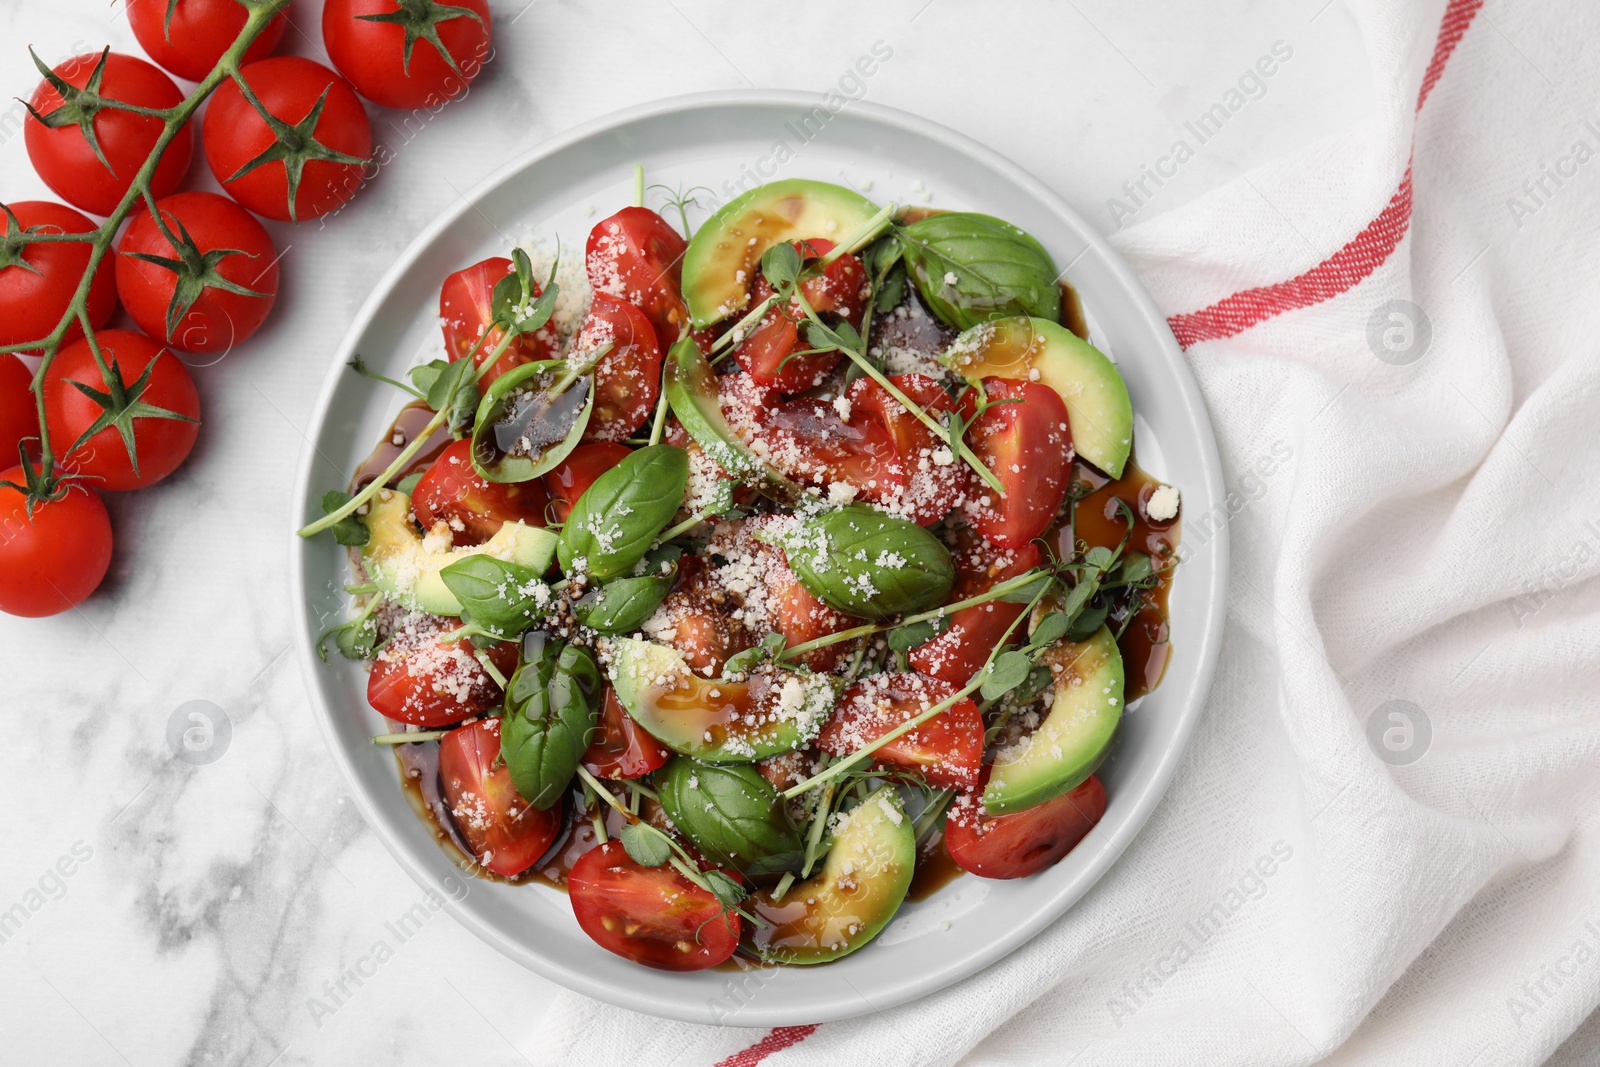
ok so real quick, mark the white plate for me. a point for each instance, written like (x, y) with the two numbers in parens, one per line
(704, 140)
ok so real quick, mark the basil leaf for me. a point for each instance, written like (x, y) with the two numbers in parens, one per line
(970, 268)
(613, 524)
(495, 595)
(905, 638)
(868, 564)
(1008, 672)
(644, 846)
(732, 814)
(621, 605)
(892, 291)
(543, 740)
(523, 427)
(349, 530)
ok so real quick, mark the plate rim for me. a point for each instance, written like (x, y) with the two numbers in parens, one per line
(1149, 793)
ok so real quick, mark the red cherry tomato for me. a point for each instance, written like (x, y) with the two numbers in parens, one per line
(807, 440)
(573, 476)
(958, 653)
(218, 318)
(839, 293)
(623, 749)
(704, 628)
(421, 680)
(162, 443)
(396, 68)
(466, 308)
(650, 915)
(637, 256)
(927, 481)
(627, 382)
(505, 832)
(67, 162)
(33, 301)
(947, 750)
(1028, 446)
(190, 36)
(19, 414)
(796, 613)
(52, 559)
(289, 87)
(1024, 842)
(453, 492)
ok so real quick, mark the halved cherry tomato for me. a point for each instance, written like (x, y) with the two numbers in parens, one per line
(838, 294)
(627, 382)
(189, 36)
(650, 915)
(790, 606)
(19, 414)
(37, 280)
(947, 750)
(53, 557)
(424, 681)
(466, 309)
(1028, 445)
(930, 480)
(958, 653)
(622, 749)
(1024, 842)
(506, 833)
(637, 256)
(573, 476)
(808, 440)
(453, 492)
(704, 627)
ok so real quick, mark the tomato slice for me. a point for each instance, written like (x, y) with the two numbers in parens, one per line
(839, 293)
(807, 440)
(961, 651)
(506, 833)
(947, 750)
(453, 492)
(636, 256)
(622, 749)
(650, 915)
(930, 482)
(702, 625)
(573, 476)
(1028, 445)
(1024, 842)
(789, 607)
(421, 680)
(466, 310)
(627, 381)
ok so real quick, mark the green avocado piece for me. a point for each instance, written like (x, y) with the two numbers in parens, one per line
(399, 562)
(712, 719)
(861, 885)
(1098, 408)
(1068, 746)
(722, 260)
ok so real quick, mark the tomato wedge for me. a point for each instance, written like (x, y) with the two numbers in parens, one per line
(958, 653)
(807, 440)
(466, 310)
(627, 381)
(838, 293)
(947, 750)
(702, 624)
(636, 256)
(453, 492)
(421, 680)
(1024, 842)
(506, 833)
(650, 915)
(622, 749)
(790, 608)
(928, 481)
(1028, 445)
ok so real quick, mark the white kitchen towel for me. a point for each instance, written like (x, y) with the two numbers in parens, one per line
(1381, 847)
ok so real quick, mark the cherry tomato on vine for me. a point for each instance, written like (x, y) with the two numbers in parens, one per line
(627, 382)
(60, 149)
(52, 559)
(309, 165)
(636, 255)
(506, 833)
(1024, 842)
(926, 480)
(453, 492)
(150, 413)
(838, 294)
(622, 748)
(206, 295)
(37, 281)
(958, 653)
(650, 915)
(947, 750)
(420, 679)
(573, 476)
(408, 54)
(19, 414)
(466, 309)
(189, 36)
(1028, 446)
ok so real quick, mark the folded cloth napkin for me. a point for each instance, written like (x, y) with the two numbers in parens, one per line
(1381, 847)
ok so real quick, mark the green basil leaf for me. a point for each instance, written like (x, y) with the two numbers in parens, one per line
(732, 814)
(613, 524)
(868, 564)
(905, 638)
(892, 291)
(543, 740)
(495, 595)
(1009, 671)
(644, 845)
(621, 605)
(349, 530)
(524, 428)
(971, 268)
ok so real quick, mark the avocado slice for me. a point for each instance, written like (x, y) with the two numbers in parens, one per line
(1098, 407)
(860, 887)
(712, 719)
(407, 570)
(722, 259)
(1068, 746)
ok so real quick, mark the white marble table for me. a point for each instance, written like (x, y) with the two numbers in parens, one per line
(231, 912)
